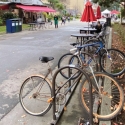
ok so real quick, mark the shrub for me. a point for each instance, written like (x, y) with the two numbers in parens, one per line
(49, 17)
(1, 21)
(8, 15)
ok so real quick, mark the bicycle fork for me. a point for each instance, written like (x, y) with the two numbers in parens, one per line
(95, 80)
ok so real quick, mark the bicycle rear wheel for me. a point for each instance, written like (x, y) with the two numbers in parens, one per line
(84, 60)
(66, 86)
(109, 102)
(113, 63)
(34, 93)
(63, 61)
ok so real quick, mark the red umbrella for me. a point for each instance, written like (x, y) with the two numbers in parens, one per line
(88, 14)
(98, 16)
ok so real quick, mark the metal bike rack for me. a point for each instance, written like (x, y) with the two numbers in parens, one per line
(55, 118)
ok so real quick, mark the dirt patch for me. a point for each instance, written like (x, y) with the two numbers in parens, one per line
(118, 44)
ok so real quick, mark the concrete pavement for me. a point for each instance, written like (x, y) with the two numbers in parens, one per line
(17, 116)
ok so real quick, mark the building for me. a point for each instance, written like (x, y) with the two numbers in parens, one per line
(75, 7)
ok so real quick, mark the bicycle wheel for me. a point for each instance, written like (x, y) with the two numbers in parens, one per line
(34, 93)
(113, 63)
(65, 86)
(84, 60)
(91, 49)
(63, 61)
(108, 102)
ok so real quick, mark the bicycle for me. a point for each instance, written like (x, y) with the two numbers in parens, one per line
(105, 90)
(36, 91)
(37, 94)
(31, 84)
(64, 59)
(106, 57)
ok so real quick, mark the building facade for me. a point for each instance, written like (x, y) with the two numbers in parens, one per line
(75, 7)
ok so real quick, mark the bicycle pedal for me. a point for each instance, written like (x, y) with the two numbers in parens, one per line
(50, 100)
(82, 121)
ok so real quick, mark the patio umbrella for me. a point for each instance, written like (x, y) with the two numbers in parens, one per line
(88, 14)
(98, 15)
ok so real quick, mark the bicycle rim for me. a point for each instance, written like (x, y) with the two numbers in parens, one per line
(63, 61)
(107, 105)
(66, 86)
(114, 63)
(34, 93)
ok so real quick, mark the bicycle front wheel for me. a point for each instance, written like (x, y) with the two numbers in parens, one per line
(34, 93)
(108, 99)
(112, 62)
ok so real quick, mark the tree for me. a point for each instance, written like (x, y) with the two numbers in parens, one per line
(107, 3)
(60, 7)
(53, 3)
(56, 4)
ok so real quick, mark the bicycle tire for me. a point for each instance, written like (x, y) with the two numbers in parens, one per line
(114, 63)
(63, 61)
(67, 81)
(30, 97)
(85, 60)
(108, 102)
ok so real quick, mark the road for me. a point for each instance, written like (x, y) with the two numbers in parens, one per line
(19, 55)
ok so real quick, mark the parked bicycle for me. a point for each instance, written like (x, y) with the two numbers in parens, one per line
(36, 91)
(111, 61)
(36, 95)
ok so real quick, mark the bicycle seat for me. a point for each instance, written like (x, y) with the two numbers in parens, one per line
(74, 44)
(44, 59)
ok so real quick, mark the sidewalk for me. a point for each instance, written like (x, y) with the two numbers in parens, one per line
(17, 116)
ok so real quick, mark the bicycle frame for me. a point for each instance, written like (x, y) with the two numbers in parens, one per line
(81, 58)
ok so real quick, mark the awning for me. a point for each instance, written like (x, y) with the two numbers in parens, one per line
(115, 12)
(4, 7)
(35, 8)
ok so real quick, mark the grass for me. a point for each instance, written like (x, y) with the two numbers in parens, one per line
(3, 28)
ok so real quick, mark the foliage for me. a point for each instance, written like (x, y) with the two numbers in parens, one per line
(53, 3)
(106, 3)
(118, 15)
(49, 17)
(8, 15)
(56, 4)
(120, 29)
(59, 6)
(1, 21)
(122, 12)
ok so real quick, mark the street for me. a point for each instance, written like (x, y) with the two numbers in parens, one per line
(20, 54)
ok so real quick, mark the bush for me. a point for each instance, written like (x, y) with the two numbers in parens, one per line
(1, 21)
(8, 15)
(49, 17)
(71, 18)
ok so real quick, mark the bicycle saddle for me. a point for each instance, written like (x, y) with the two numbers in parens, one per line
(44, 59)
(73, 44)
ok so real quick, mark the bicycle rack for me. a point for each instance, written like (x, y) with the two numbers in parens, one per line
(55, 118)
